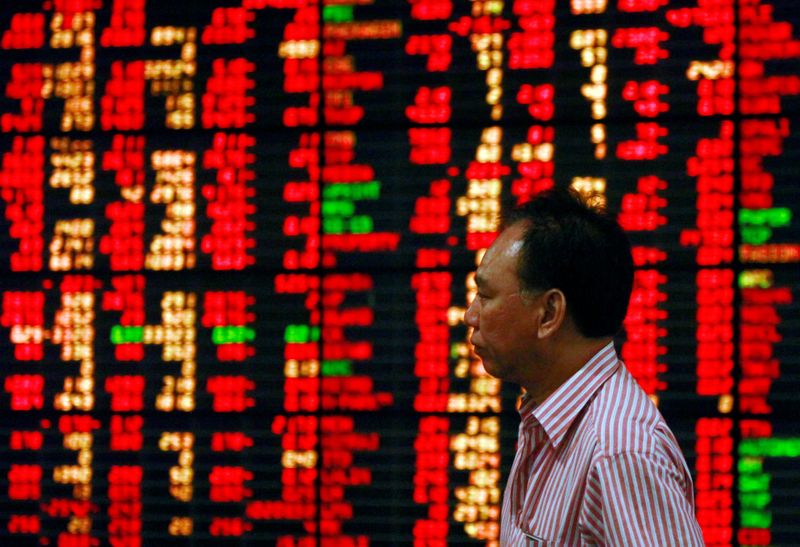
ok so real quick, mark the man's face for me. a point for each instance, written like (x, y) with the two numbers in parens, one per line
(504, 322)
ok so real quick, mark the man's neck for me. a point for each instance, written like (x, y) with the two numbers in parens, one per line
(563, 359)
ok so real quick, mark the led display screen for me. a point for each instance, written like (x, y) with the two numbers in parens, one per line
(238, 237)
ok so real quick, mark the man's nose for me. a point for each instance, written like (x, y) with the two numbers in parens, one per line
(472, 314)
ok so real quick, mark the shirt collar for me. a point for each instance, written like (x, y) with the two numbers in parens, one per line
(559, 410)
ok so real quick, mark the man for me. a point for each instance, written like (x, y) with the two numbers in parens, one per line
(596, 464)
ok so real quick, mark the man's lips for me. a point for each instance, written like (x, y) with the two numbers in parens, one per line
(477, 349)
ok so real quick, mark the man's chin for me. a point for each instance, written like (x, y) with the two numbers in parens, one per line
(489, 367)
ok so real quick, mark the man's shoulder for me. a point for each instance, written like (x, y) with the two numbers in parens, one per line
(624, 419)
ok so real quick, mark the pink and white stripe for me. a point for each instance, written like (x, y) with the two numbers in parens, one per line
(597, 465)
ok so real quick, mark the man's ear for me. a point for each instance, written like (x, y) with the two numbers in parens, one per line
(553, 311)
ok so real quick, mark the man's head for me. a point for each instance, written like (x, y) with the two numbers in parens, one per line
(581, 251)
(560, 272)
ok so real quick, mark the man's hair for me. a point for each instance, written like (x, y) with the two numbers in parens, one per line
(582, 251)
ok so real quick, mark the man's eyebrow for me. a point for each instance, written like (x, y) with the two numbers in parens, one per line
(480, 280)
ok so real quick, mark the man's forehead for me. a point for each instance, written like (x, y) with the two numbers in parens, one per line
(508, 244)
(504, 253)
(515, 248)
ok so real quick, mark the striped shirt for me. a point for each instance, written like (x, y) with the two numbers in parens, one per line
(597, 465)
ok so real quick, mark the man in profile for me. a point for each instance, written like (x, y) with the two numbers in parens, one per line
(596, 463)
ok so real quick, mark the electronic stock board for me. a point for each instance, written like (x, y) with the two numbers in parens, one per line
(238, 239)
